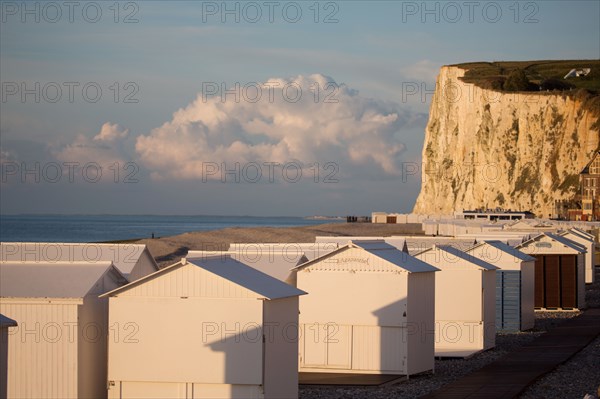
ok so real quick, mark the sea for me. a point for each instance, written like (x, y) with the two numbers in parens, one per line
(102, 228)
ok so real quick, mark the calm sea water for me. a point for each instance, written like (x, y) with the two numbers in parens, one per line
(95, 228)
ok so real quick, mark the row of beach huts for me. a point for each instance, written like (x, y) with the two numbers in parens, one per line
(102, 320)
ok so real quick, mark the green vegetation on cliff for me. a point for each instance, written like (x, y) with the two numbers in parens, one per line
(488, 74)
(541, 77)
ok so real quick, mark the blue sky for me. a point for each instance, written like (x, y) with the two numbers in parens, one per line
(164, 148)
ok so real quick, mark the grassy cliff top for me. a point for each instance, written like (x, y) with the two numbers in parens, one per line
(541, 77)
(492, 75)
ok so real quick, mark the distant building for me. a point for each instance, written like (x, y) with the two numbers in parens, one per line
(494, 215)
(585, 205)
(576, 73)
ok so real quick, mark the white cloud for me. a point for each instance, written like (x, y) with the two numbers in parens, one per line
(104, 149)
(111, 132)
(335, 125)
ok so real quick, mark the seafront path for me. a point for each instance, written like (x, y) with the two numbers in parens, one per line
(510, 375)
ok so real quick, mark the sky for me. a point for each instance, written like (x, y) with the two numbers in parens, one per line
(266, 108)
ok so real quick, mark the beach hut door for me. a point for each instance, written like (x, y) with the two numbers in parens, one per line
(327, 345)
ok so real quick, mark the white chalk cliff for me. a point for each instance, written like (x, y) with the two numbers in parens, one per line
(485, 148)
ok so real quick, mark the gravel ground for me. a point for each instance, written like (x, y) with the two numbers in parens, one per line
(580, 375)
(168, 250)
(573, 379)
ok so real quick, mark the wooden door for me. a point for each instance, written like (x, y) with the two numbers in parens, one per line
(539, 282)
(552, 281)
(568, 278)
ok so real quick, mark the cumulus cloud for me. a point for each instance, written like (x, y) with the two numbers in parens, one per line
(103, 149)
(307, 119)
(111, 132)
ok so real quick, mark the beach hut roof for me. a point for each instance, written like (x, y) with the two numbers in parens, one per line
(309, 249)
(252, 279)
(576, 233)
(565, 241)
(287, 246)
(583, 232)
(123, 256)
(505, 248)
(7, 322)
(52, 280)
(373, 245)
(384, 251)
(462, 255)
(416, 245)
(230, 269)
(275, 262)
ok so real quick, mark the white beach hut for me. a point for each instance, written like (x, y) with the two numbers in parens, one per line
(515, 281)
(378, 217)
(531, 225)
(465, 296)
(205, 328)
(5, 324)
(430, 227)
(446, 228)
(58, 349)
(369, 311)
(132, 260)
(559, 271)
(588, 242)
